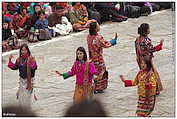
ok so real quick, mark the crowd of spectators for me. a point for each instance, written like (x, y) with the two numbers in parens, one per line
(37, 21)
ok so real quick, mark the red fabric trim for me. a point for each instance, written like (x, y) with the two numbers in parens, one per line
(149, 86)
(158, 47)
(10, 64)
(141, 115)
(128, 83)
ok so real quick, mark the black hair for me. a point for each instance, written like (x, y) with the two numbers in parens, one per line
(81, 49)
(26, 46)
(148, 61)
(92, 28)
(142, 30)
(6, 21)
(35, 7)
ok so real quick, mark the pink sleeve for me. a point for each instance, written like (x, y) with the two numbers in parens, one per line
(33, 65)
(10, 64)
(73, 70)
(92, 69)
(128, 83)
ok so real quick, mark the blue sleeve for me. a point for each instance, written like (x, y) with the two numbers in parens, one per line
(45, 24)
(36, 24)
(113, 42)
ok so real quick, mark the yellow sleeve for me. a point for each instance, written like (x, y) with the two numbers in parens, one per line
(135, 80)
(153, 80)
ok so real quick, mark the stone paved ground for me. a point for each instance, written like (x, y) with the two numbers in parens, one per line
(55, 94)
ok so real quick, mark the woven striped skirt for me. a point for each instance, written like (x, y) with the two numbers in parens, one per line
(145, 106)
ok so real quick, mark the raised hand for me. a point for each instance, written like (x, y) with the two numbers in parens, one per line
(57, 72)
(114, 41)
(122, 78)
(10, 57)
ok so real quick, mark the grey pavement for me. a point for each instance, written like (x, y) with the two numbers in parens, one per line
(55, 94)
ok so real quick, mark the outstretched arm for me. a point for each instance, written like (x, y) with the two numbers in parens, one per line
(103, 43)
(159, 46)
(69, 73)
(114, 41)
(129, 83)
(11, 65)
(126, 82)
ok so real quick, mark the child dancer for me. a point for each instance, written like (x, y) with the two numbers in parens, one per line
(84, 71)
(147, 84)
(27, 66)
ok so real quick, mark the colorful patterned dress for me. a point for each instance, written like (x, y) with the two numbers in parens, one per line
(84, 72)
(96, 43)
(147, 84)
(26, 72)
(79, 17)
(144, 47)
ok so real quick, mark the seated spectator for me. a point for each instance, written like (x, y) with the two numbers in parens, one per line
(34, 17)
(110, 11)
(8, 41)
(24, 17)
(79, 17)
(145, 7)
(19, 23)
(34, 10)
(87, 108)
(41, 26)
(64, 28)
(6, 31)
(59, 9)
(42, 22)
(92, 12)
